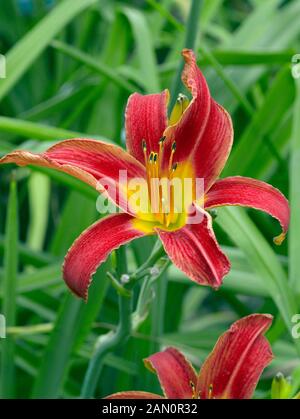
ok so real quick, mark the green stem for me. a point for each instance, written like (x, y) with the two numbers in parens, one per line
(112, 340)
(190, 40)
(157, 252)
(105, 345)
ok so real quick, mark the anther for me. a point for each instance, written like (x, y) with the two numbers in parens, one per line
(162, 140)
(210, 390)
(151, 157)
(155, 157)
(181, 98)
(174, 167)
(144, 145)
(174, 146)
(193, 389)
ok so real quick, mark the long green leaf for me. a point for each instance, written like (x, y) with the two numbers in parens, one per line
(7, 370)
(294, 243)
(247, 237)
(95, 65)
(264, 121)
(35, 130)
(145, 49)
(25, 52)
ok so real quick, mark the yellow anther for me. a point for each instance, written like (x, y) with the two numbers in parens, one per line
(193, 389)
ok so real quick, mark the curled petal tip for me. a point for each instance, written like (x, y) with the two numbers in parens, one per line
(188, 54)
(278, 240)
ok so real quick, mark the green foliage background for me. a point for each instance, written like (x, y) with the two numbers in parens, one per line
(71, 65)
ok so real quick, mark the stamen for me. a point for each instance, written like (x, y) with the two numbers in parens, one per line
(193, 389)
(144, 147)
(210, 390)
(173, 149)
(162, 140)
(155, 161)
(174, 167)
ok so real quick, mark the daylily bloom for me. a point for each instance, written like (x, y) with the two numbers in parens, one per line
(194, 143)
(231, 371)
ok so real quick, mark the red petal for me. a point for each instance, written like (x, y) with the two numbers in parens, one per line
(211, 152)
(233, 368)
(146, 119)
(251, 193)
(195, 251)
(94, 162)
(92, 248)
(176, 375)
(204, 134)
(134, 395)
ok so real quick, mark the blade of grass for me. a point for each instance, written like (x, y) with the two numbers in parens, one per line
(25, 52)
(192, 28)
(57, 353)
(294, 243)
(39, 196)
(41, 132)
(163, 11)
(27, 256)
(242, 231)
(145, 48)
(264, 122)
(7, 371)
(95, 65)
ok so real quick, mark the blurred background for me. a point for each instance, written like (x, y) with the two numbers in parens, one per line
(70, 67)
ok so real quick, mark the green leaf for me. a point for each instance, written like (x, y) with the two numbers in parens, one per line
(247, 237)
(264, 121)
(58, 351)
(9, 307)
(145, 49)
(25, 52)
(39, 200)
(294, 243)
(95, 65)
(39, 131)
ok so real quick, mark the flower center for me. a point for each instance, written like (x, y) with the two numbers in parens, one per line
(161, 188)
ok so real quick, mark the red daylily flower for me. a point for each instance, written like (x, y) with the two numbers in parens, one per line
(195, 143)
(231, 371)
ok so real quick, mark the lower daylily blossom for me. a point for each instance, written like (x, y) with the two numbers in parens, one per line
(231, 371)
(194, 143)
